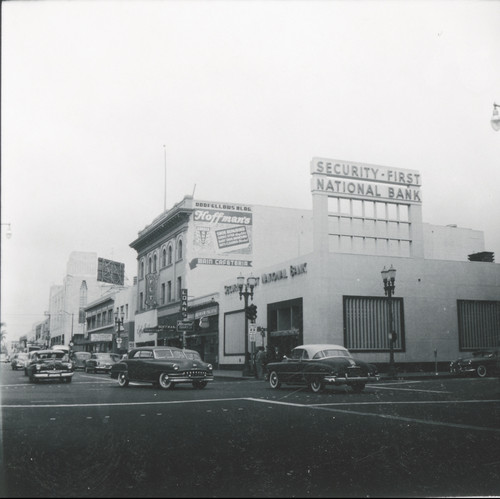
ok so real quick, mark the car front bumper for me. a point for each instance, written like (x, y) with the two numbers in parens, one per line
(52, 375)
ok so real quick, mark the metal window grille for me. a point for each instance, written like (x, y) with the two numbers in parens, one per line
(366, 323)
(478, 324)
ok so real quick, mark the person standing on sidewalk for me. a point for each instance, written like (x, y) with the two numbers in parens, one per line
(260, 361)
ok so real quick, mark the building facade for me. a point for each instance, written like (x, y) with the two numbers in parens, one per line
(318, 273)
(367, 218)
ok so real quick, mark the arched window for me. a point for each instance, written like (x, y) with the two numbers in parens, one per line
(164, 257)
(155, 258)
(142, 269)
(170, 254)
(149, 265)
(179, 249)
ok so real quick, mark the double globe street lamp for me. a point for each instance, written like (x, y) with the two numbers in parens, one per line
(246, 291)
(119, 329)
(495, 119)
(389, 278)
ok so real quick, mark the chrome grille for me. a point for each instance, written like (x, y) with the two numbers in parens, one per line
(195, 373)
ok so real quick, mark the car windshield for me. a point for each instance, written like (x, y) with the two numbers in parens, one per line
(102, 356)
(49, 355)
(193, 355)
(167, 353)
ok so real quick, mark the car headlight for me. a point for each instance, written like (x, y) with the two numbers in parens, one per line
(209, 367)
(175, 367)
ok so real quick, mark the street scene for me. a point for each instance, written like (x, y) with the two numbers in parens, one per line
(421, 437)
(250, 249)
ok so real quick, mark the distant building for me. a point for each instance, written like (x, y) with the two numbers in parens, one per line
(81, 285)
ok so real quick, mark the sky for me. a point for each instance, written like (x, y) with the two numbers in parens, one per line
(230, 100)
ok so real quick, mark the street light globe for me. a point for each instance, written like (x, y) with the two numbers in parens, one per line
(495, 119)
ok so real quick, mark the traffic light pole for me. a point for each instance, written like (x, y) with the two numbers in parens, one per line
(246, 290)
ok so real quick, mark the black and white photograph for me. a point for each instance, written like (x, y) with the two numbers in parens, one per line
(250, 248)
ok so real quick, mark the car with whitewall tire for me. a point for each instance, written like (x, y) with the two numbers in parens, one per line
(163, 366)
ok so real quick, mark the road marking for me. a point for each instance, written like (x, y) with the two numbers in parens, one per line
(405, 389)
(322, 407)
(388, 416)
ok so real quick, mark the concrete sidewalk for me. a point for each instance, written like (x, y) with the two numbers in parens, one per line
(238, 375)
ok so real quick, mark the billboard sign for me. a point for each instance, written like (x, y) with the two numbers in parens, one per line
(222, 234)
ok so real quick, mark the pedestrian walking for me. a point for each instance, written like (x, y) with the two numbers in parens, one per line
(260, 362)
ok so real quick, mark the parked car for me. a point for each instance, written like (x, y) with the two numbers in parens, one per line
(19, 361)
(480, 363)
(101, 362)
(79, 359)
(48, 365)
(317, 366)
(4, 357)
(163, 366)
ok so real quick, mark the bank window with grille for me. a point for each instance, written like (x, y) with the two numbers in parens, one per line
(366, 323)
(478, 324)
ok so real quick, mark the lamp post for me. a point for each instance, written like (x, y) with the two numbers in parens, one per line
(8, 234)
(495, 118)
(246, 290)
(119, 329)
(389, 276)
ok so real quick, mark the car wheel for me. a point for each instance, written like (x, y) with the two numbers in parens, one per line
(274, 381)
(33, 379)
(122, 379)
(481, 371)
(358, 387)
(317, 385)
(199, 384)
(165, 382)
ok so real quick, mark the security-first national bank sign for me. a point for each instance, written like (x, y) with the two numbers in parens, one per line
(347, 179)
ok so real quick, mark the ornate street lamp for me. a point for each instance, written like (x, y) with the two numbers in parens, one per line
(8, 233)
(246, 290)
(495, 119)
(389, 277)
(119, 329)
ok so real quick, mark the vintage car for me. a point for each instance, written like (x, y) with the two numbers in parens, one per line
(163, 366)
(79, 359)
(480, 363)
(317, 366)
(47, 365)
(101, 362)
(19, 361)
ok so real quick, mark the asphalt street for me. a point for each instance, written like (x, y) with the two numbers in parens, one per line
(240, 438)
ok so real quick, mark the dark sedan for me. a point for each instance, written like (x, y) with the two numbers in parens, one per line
(165, 367)
(50, 365)
(481, 363)
(317, 366)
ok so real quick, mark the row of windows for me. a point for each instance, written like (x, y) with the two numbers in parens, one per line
(167, 252)
(166, 295)
(366, 324)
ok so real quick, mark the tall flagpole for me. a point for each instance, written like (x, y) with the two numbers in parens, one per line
(165, 196)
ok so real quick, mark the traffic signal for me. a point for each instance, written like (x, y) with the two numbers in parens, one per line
(251, 312)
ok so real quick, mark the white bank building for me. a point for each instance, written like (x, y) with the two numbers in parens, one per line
(319, 280)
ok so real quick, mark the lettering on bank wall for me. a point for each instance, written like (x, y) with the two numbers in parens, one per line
(363, 181)
(283, 273)
(222, 234)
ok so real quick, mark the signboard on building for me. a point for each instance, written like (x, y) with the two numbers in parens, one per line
(110, 271)
(348, 179)
(222, 234)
